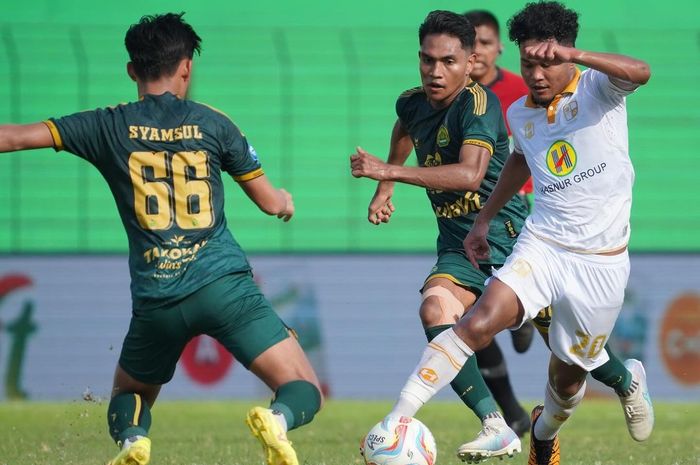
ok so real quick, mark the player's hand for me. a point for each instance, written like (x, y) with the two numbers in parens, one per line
(550, 52)
(475, 244)
(380, 207)
(366, 165)
(288, 211)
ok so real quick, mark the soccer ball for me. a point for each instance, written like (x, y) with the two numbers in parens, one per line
(399, 441)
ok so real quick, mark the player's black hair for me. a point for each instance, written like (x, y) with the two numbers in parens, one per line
(157, 43)
(450, 23)
(542, 21)
(483, 18)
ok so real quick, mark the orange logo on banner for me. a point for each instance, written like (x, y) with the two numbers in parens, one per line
(679, 338)
(428, 375)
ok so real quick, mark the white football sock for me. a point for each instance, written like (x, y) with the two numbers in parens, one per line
(441, 361)
(556, 412)
(280, 419)
(130, 440)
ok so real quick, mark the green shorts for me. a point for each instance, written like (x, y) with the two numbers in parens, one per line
(231, 309)
(456, 267)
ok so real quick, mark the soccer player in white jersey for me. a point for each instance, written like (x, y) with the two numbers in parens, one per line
(570, 133)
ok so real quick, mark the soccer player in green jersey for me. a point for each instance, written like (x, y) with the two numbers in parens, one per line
(457, 130)
(162, 157)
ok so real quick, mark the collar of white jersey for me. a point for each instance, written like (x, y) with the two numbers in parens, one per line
(552, 107)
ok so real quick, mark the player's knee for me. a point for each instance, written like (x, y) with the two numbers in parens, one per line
(430, 312)
(439, 307)
(312, 397)
(321, 396)
(316, 393)
(476, 331)
(566, 380)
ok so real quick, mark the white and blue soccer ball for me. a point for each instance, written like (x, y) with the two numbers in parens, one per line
(399, 441)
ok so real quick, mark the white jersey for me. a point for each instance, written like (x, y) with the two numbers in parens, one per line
(577, 151)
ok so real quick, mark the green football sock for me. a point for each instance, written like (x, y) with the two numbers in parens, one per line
(128, 415)
(298, 401)
(469, 384)
(613, 373)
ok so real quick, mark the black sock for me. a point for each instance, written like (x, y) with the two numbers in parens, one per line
(493, 368)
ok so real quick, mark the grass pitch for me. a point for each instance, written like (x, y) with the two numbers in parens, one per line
(214, 433)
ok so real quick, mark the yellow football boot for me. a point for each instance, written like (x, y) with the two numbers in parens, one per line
(137, 453)
(277, 448)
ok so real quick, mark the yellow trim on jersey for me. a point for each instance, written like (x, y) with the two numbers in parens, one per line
(552, 107)
(449, 357)
(409, 92)
(480, 143)
(57, 141)
(213, 109)
(480, 99)
(137, 410)
(248, 176)
(216, 110)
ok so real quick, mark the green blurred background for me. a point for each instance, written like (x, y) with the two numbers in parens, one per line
(307, 82)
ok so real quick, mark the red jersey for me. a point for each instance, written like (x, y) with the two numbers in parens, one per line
(509, 87)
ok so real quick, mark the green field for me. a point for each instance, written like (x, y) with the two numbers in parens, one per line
(213, 433)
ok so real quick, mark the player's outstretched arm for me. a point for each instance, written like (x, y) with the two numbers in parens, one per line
(15, 137)
(381, 207)
(514, 174)
(466, 175)
(616, 66)
(269, 199)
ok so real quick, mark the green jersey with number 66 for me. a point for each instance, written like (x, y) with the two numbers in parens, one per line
(162, 158)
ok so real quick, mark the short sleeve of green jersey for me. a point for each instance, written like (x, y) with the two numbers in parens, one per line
(481, 119)
(404, 109)
(239, 158)
(80, 134)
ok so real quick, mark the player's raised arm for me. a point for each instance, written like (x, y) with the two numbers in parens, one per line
(269, 199)
(616, 66)
(15, 137)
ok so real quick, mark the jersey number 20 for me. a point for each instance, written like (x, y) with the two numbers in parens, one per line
(167, 188)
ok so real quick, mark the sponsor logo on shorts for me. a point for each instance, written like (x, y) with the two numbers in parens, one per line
(521, 267)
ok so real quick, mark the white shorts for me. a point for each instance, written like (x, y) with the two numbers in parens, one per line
(585, 291)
